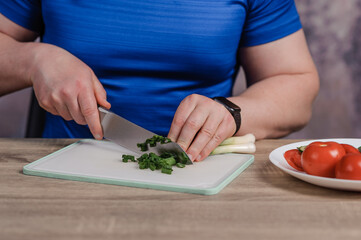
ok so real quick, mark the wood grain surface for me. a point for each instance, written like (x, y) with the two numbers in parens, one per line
(262, 203)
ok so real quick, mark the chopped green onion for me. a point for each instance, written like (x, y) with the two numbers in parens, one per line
(152, 161)
(180, 165)
(301, 149)
(143, 146)
(169, 161)
(167, 170)
(126, 158)
(152, 142)
(152, 166)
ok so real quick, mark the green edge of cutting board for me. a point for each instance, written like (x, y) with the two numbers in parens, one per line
(208, 191)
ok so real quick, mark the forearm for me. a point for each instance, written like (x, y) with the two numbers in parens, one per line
(277, 106)
(15, 60)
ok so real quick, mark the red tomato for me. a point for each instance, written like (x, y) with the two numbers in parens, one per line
(349, 167)
(320, 158)
(350, 149)
(293, 157)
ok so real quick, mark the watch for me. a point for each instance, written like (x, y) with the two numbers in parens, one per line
(232, 108)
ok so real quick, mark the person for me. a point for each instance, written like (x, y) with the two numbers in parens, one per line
(159, 64)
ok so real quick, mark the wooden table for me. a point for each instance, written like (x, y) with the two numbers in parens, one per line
(262, 203)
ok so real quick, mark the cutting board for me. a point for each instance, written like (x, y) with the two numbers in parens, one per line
(101, 162)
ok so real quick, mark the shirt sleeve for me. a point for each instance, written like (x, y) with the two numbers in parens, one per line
(26, 13)
(269, 20)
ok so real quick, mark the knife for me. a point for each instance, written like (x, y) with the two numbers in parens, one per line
(128, 134)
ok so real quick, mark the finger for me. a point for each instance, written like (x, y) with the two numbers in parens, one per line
(100, 93)
(88, 107)
(205, 134)
(185, 108)
(75, 112)
(49, 108)
(193, 124)
(223, 131)
(52, 110)
(45, 103)
(67, 104)
(61, 108)
(63, 112)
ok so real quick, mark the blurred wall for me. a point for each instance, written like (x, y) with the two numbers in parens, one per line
(14, 110)
(333, 31)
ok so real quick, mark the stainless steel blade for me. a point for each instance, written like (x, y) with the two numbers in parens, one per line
(128, 134)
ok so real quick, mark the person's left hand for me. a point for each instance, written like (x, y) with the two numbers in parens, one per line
(199, 125)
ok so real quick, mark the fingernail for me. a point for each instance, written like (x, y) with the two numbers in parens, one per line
(190, 157)
(97, 136)
(198, 158)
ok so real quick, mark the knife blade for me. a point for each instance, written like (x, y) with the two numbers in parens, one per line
(128, 134)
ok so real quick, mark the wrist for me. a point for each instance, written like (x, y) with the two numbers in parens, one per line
(30, 54)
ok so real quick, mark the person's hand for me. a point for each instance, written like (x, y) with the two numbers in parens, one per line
(67, 87)
(200, 124)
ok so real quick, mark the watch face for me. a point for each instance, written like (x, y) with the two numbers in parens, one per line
(230, 105)
(233, 106)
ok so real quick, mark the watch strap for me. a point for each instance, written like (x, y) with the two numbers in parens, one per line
(234, 109)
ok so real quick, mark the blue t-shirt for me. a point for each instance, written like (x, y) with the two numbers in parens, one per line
(150, 54)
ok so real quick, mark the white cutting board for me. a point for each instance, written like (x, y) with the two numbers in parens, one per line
(101, 162)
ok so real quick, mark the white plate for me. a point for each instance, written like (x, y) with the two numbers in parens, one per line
(279, 161)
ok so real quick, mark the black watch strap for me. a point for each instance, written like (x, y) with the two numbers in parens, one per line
(232, 108)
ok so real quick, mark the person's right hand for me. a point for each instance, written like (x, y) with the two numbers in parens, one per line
(67, 87)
